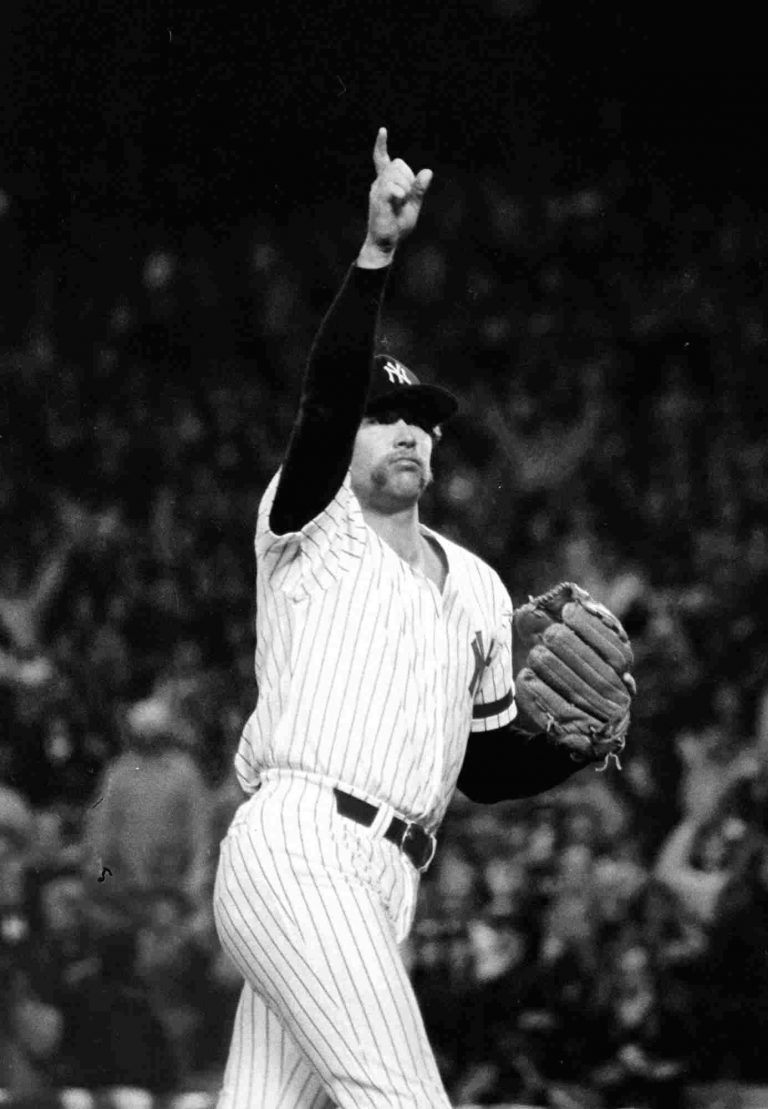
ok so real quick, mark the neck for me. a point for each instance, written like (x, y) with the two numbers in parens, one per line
(400, 530)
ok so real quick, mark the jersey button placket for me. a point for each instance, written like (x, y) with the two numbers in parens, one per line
(437, 737)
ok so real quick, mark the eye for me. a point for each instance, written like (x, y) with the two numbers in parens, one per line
(421, 422)
(387, 416)
(392, 415)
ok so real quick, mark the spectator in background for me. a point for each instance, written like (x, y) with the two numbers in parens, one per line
(499, 1021)
(620, 585)
(64, 954)
(172, 965)
(714, 756)
(618, 876)
(24, 605)
(62, 960)
(30, 1028)
(761, 728)
(641, 1034)
(30, 1035)
(695, 863)
(566, 975)
(149, 822)
(675, 937)
(541, 845)
(734, 972)
(508, 885)
(202, 699)
(17, 820)
(570, 924)
(455, 889)
(442, 977)
(26, 602)
(114, 1036)
(185, 683)
(16, 831)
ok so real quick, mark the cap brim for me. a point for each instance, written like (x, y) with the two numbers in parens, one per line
(434, 404)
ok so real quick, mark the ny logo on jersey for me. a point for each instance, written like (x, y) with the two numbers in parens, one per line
(481, 660)
(396, 372)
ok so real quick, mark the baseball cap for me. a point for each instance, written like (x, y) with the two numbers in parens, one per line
(393, 382)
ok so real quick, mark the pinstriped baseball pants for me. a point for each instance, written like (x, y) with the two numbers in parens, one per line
(311, 908)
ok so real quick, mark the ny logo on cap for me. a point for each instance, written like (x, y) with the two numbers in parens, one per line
(396, 372)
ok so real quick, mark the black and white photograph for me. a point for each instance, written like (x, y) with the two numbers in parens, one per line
(383, 554)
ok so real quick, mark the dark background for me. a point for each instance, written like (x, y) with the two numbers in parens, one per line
(183, 114)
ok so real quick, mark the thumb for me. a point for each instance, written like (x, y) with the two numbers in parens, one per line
(422, 181)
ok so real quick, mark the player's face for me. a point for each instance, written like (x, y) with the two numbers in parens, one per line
(391, 461)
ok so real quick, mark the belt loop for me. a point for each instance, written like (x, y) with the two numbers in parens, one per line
(382, 820)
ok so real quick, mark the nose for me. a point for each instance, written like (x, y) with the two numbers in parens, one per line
(404, 433)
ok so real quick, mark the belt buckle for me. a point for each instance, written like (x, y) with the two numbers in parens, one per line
(409, 825)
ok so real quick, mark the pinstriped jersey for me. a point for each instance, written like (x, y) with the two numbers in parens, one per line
(367, 674)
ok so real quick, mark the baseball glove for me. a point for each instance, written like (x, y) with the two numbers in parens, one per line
(575, 683)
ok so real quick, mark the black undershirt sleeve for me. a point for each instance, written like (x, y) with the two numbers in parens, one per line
(333, 397)
(506, 763)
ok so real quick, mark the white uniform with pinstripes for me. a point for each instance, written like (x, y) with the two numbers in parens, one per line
(369, 679)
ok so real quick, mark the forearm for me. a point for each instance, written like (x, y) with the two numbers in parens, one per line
(50, 578)
(674, 856)
(508, 763)
(333, 398)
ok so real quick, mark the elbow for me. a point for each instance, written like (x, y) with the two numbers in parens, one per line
(483, 788)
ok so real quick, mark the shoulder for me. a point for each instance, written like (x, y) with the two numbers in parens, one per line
(341, 507)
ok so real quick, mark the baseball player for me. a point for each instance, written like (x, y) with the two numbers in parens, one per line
(385, 679)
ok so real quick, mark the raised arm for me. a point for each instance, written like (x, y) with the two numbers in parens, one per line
(337, 377)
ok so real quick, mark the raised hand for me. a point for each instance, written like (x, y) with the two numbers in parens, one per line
(395, 198)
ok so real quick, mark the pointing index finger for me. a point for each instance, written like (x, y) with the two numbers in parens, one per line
(381, 158)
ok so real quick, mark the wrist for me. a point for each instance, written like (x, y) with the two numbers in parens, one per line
(374, 256)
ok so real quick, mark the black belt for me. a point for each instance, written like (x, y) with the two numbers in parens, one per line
(413, 840)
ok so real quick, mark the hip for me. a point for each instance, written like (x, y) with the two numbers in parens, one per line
(291, 832)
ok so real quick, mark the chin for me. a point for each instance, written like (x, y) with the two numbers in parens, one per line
(395, 496)
(408, 487)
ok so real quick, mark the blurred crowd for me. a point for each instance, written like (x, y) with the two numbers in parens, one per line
(607, 937)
